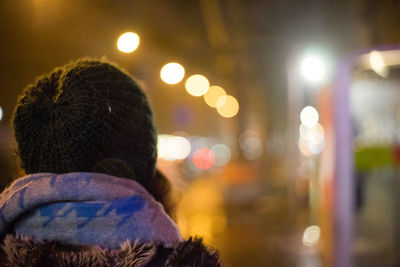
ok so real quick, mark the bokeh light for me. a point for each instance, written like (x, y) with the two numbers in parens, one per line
(314, 134)
(304, 148)
(222, 154)
(1, 113)
(311, 235)
(172, 147)
(197, 85)
(178, 147)
(213, 94)
(377, 63)
(162, 148)
(227, 106)
(203, 158)
(172, 73)
(201, 141)
(316, 148)
(309, 116)
(128, 42)
(312, 140)
(313, 68)
(251, 145)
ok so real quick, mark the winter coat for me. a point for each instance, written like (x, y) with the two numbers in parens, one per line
(90, 219)
(23, 252)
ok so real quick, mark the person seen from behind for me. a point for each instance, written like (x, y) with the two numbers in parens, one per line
(92, 195)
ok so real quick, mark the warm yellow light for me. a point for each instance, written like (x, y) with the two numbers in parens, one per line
(213, 94)
(227, 106)
(172, 73)
(201, 225)
(128, 42)
(197, 85)
(219, 223)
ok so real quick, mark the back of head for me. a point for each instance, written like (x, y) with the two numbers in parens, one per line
(82, 117)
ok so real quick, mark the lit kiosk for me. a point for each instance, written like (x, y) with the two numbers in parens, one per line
(360, 171)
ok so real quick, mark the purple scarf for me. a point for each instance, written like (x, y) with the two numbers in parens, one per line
(84, 209)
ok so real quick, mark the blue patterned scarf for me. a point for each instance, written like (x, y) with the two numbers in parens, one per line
(84, 209)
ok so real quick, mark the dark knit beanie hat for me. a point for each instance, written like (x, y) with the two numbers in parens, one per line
(82, 117)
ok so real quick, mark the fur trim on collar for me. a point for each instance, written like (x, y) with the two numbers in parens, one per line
(23, 252)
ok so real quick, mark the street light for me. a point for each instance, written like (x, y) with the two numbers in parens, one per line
(172, 73)
(377, 63)
(172, 147)
(128, 42)
(213, 94)
(311, 235)
(227, 106)
(309, 116)
(314, 68)
(197, 85)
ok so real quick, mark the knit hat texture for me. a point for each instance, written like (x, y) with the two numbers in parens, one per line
(82, 116)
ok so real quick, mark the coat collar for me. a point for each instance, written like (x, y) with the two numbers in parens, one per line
(22, 251)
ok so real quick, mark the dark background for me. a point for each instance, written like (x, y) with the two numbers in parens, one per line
(242, 45)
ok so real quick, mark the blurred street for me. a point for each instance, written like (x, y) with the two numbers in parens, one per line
(250, 226)
(262, 231)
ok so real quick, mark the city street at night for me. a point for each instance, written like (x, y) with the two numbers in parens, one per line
(200, 133)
